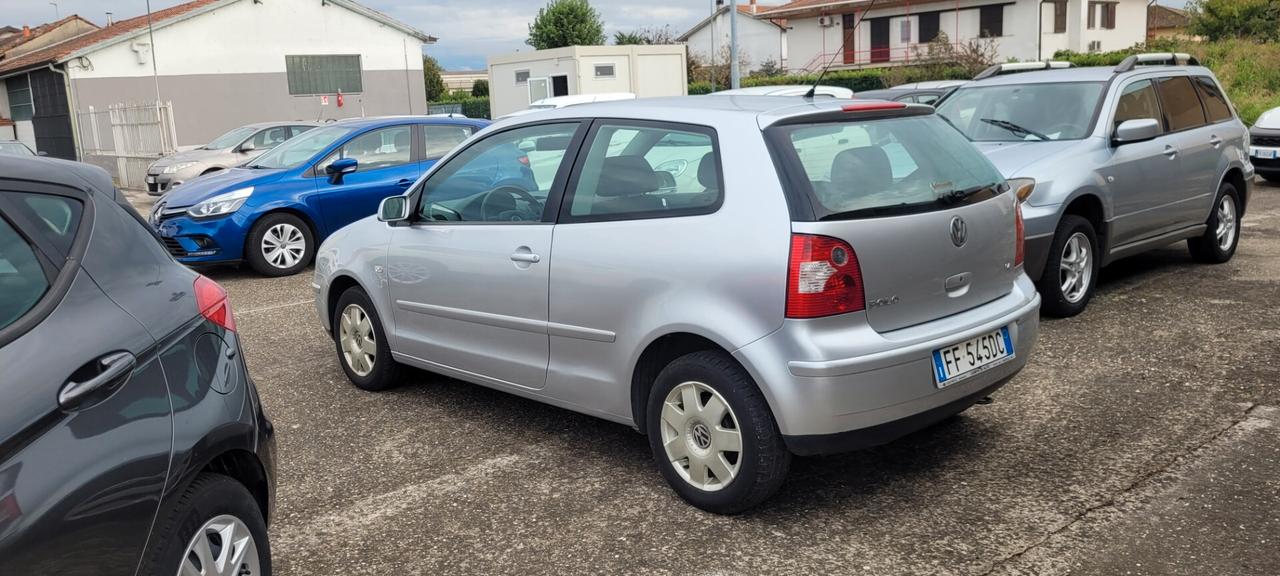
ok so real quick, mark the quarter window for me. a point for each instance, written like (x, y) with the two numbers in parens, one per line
(1215, 103)
(1137, 101)
(1182, 108)
(22, 278)
(439, 140)
(505, 177)
(646, 171)
(382, 148)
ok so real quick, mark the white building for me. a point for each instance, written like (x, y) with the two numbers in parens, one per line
(760, 39)
(223, 64)
(894, 32)
(518, 79)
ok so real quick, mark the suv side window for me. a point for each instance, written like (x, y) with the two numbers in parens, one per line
(646, 170)
(382, 148)
(1215, 103)
(1182, 109)
(1138, 101)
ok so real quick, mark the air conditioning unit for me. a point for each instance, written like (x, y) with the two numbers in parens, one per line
(1095, 46)
(826, 21)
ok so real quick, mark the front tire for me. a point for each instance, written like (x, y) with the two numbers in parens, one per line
(362, 344)
(1071, 272)
(279, 244)
(213, 527)
(713, 436)
(1218, 244)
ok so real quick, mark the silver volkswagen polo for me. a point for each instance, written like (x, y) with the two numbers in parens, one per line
(740, 278)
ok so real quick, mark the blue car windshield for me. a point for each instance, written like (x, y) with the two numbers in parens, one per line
(300, 149)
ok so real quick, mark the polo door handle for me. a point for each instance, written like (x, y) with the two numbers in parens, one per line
(526, 257)
(1170, 151)
(114, 370)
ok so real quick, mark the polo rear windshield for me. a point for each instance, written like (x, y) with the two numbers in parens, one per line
(882, 167)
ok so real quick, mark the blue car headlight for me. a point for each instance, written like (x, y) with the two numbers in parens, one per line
(221, 204)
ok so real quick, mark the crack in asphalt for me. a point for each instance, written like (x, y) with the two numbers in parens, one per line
(1140, 482)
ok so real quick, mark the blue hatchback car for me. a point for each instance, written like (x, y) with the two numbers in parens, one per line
(274, 211)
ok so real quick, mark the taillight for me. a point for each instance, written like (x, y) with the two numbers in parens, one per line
(823, 278)
(212, 301)
(523, 160)
(1019, 236)
(872, 106)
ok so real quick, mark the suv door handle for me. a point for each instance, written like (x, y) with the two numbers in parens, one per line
(1170, 151)
(526, 257)
(115, 369)
(1215, 140)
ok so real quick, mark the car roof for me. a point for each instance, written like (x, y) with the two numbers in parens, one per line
(710, 109)
(284, 123)
(782, 90)
(415, 118)
(76, 175)
(1082, 74)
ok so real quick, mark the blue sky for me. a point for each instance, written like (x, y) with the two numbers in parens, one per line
(469, 30)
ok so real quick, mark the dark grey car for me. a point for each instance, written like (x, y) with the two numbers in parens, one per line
(132, 440)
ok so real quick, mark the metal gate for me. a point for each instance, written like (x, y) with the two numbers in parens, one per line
(126, 138)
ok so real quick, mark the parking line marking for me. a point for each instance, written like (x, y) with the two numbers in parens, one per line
(275, 307)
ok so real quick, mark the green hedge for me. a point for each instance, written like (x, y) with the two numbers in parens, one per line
(470, 107)
(856, 80)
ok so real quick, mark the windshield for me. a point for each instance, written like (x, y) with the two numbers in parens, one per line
(230, 139)
(1052, 111)
(891, 166)
(14, 148)
(300, 148)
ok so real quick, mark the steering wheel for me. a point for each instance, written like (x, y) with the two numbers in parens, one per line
(513, 193)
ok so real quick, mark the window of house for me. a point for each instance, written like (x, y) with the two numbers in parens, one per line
(929, 26)
(1093, 15)
(1109, 16)
(1059, 17)
(991, 21)
(604, 70)
(323, 74)
(1215, 103)
(522, 76)
(19, 89)
(904, 31)
(1182, 108)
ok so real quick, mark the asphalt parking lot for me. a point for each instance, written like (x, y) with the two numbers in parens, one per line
(1143, 438)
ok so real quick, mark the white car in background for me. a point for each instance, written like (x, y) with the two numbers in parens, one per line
(788, 90)
(563, 101)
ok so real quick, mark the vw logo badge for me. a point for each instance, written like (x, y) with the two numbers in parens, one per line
(701, 436)
(959, 231)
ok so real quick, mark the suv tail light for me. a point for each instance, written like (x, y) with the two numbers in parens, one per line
(212, 301)
(823, 278)
(1019, 237)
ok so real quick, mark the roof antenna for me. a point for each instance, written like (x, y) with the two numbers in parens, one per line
(814, 89)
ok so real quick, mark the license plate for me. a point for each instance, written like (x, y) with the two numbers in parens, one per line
(151, 179)
(973, 356)
(1265, 153)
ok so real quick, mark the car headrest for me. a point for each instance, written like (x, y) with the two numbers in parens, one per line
(626, 176)
(708, 177)
(861, 169)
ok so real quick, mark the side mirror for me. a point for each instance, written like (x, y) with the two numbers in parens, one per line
(1138, 130)
(340, 167)
(246, 146)
(394, 209)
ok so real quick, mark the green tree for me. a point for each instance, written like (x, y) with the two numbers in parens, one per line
(566, 23)
(1220, 19)
(628, 38)
(646, 35)
(480, 88)
(431, 77)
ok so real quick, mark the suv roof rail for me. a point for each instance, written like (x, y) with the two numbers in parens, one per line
(1157, 59)
(1015, 67)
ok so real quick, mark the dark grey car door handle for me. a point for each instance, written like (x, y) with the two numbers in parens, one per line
(115, 369)
(525, 257)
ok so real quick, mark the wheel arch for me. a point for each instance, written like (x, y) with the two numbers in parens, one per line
(244, 467)
(1235, 177)
(656, 355)
(1089, 205)
(338, 285)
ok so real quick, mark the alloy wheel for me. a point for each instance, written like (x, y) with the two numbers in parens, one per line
(1226, 231)
(1075, 269)
(283, 245)
(359, 343)
(701, 436)
(224, 546)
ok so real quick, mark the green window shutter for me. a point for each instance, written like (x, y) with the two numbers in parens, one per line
(323, 74)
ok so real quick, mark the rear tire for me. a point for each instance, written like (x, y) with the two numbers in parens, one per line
(279, 244)
(705, 414)
(212, 507)
(1218, 244)
(1071, 272)
(362, 345)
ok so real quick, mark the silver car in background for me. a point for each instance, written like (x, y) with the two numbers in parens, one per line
(230, 149)
(1111, 161)
(740, 278)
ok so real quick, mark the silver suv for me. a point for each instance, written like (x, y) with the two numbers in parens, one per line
(741, 278)
(1111, 162)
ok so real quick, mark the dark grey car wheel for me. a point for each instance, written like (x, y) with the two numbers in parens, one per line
(213, 527)
(712, 434)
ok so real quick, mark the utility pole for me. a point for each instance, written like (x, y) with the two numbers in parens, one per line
(715, 39)
(735, 80)
(57, 15)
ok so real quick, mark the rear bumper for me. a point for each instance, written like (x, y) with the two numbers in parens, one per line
(855, 382)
